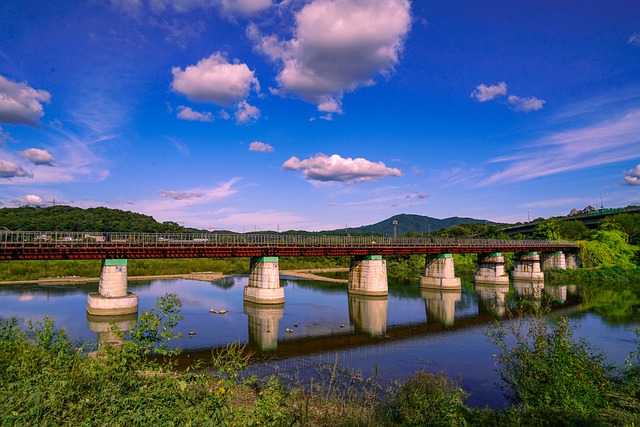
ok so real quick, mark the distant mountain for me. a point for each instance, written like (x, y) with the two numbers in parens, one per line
(419, 224)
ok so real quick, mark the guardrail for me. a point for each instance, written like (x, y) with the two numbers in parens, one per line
(59, 239)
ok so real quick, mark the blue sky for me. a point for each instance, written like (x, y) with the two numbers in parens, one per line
(316, 114)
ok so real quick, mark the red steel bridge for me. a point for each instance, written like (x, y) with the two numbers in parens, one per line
(32, 245)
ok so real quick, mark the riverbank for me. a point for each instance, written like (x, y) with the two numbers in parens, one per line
(311, 274)
(205, 276)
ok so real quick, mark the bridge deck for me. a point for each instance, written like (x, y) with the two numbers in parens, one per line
(29, 245)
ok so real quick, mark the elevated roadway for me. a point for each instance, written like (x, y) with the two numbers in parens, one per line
(590, 219)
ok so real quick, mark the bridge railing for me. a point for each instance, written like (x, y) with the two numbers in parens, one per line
(93, 239)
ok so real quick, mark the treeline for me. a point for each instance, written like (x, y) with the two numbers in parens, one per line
(68, 218)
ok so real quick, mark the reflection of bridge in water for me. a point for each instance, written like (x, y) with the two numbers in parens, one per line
(367, 272)
(368, 317)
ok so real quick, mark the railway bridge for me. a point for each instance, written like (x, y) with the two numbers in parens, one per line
(367, 272)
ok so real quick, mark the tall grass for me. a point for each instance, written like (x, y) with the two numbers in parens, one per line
(46, 379)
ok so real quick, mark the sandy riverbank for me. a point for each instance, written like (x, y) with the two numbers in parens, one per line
(206, 276)
(311, 274)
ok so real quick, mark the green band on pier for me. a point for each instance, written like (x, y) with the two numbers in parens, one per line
(120, 262)
(263, 259)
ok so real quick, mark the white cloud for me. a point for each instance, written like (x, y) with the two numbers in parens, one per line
(600, 143)
(260, 146)
(13, 170)
(632, 177)
(246, 113)
(484, 93)
(32, 200)
(20, 103)
(335, 168)
(246, 7)
(215, 80)
(37, 156)
(337, 46)
(525, 104)
(634, 39)
(186, 113)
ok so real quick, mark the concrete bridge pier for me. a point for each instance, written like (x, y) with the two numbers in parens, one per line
(369, 313)
(526, 266)
(439, 273)
(368, 276)
(572, 260)
(264, 281)
(490, 269)
(440, 304)
(263, 324)
(554, 260)
(112, 298)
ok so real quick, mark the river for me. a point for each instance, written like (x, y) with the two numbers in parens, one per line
(321, 325)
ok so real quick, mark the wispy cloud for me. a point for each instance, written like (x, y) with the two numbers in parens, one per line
(187, 113)
(593, 145)
(525, 104)
(189, 205)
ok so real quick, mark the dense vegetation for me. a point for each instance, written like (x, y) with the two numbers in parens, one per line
(67, 218)
(552, 378)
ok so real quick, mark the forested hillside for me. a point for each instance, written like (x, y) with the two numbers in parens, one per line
(68, 218)
(415, 224)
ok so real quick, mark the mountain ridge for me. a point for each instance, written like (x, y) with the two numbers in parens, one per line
(413, 223)
(101, 219)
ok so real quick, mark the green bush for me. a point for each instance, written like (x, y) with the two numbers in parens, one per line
(428, 399)
(543, 366)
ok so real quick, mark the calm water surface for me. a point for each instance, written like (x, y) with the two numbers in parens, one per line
(389, 337)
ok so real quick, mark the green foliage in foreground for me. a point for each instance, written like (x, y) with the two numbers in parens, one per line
(47, 380)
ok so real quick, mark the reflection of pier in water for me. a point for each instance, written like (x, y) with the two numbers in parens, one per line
(360, 341)
(441, 304)
(368, 314)
(107, 327)
(492, 298)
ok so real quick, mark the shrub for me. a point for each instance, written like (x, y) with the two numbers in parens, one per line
(428, 399)
(542, 366)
